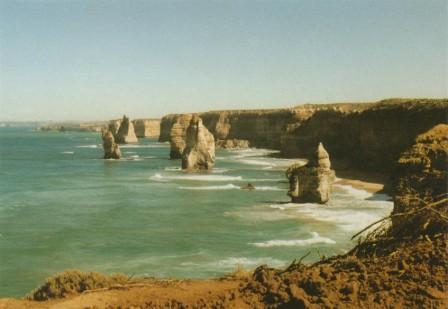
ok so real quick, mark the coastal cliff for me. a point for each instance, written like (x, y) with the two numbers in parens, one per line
(146, 127)
(362, 135)
(369, 138)
(261, 128)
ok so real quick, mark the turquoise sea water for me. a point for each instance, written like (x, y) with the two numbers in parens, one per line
(63, 207)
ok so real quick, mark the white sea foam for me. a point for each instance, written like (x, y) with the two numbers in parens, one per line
(68, 152)
(232, 262)
(315, 239)
(268, 188)
(348, 219)
(196, 177)
(256, 162)
(263, 179)
(348, 215)
(219, 170)
(255, 215)
(251, 152)
(230, 187)
(223, 187)
(357, 193)
(172, 168)
(87, 146)
(278, 207)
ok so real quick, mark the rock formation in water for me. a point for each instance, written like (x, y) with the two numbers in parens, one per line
(232, 143)
(178, 135)
(423, 180)
(199, 152)
(311, 183)
(369, 136)
(146, 127)
(126, 133)
(111, 149)
(248, 186)
(114, 125)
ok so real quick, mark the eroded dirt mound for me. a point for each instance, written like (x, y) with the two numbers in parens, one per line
(409, 274)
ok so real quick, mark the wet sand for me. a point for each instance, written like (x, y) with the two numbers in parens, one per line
(370, 182)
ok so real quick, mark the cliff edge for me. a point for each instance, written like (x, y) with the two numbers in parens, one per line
(368, 136)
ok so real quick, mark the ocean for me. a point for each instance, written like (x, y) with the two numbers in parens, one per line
(63, 207)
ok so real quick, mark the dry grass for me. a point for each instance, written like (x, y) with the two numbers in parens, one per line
(74, 282)
(239, 273)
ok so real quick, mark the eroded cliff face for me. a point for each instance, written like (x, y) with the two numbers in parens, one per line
(422, 181)
(258, 128)
(166, 123)
(363, 135)
(146, 127)
(369, 138)
(261, 128)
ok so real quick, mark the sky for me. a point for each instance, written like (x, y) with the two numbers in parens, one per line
(94, 60)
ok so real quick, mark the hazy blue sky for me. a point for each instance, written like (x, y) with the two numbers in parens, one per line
(96, 59)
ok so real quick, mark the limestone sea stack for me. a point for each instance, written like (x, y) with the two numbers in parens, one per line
(126, 133)
(114, 125)
(178, 135)
(199, 152)
(311, 183)
(111, 149)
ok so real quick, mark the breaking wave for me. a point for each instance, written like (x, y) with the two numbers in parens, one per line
(230, 186)
(358, 193)
(315, 239)
(87, 146)
(161, 177)
(223, 187)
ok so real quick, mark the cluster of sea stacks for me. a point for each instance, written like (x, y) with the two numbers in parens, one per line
(118, 132)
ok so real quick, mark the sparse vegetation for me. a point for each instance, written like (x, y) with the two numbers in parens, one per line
(73, 282)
